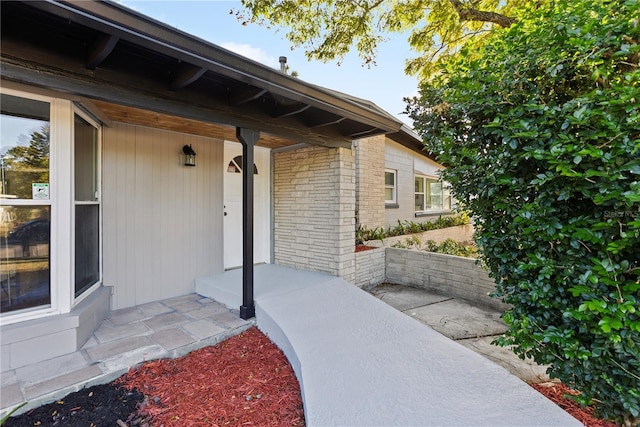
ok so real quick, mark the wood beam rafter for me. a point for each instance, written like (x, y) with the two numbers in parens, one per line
(100, 50)
(186, 75)
(320, 120)
(280, 111)
(242, 95)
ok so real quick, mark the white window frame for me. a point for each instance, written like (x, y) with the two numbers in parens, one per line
(394, 187)
(89, 119)
(62, 207)
(425, 181)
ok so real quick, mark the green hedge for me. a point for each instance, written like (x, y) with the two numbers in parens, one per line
(540, 128)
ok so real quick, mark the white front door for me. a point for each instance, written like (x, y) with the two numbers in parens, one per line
(233, 205)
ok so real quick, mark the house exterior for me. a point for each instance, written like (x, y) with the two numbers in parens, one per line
(101, 209)
(398, 181)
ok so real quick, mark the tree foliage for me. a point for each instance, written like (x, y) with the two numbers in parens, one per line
(329, 29)
(540, 130)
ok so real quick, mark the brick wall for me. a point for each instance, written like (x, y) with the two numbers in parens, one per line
(370, 268)
(314, 210)
(370, 181)
(448, 274)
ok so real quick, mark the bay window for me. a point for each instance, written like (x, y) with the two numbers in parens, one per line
(49, 205)
(25, 204)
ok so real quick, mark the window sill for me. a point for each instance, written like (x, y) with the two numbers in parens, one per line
(391, 206)
(433, 213)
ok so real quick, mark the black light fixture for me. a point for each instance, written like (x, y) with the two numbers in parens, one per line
(189, 155)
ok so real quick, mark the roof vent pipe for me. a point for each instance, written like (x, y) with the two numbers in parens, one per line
(283, 63)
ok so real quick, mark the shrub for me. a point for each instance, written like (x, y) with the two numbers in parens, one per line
(540, 129)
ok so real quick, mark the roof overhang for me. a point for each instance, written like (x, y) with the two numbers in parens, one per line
(109, 53)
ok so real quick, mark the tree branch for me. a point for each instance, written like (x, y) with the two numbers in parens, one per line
(470, 14)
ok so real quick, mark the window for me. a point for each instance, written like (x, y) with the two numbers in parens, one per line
(431, 195)
(87, 205)
(235, 166)
(25, 210)
(390, 186)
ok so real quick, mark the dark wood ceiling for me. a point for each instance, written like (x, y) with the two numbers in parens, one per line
(148, 73)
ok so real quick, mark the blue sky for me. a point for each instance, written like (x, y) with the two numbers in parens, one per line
(385, 84)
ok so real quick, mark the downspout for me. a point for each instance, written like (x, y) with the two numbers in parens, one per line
(248, 138)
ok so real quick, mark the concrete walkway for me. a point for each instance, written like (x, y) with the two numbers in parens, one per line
(164, 329)
(360, 362)
(471, 325)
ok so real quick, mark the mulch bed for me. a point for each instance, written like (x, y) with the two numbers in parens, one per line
(558, 392)
(362, 248)
(244, 380)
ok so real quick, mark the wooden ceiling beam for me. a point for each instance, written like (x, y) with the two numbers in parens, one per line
(186, 75)
(279, 111)
(242, 95)
(100, 50)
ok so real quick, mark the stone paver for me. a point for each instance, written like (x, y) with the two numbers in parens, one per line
(106, 351)
(52, 368)
(107, 333)
(228, 319)
(172, 338)
(126, 316)
(187, 306)
(61, 382)
(154, 309)
(11, 395)
(202, 329)
(166, 320)
(208, 311)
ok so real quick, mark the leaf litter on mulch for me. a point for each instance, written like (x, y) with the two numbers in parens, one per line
(244, 380)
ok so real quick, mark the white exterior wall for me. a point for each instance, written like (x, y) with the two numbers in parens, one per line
(314, 206)
(370, 153)
(162, 221)
(407, 163)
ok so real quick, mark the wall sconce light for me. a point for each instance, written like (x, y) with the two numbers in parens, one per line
(189, 155)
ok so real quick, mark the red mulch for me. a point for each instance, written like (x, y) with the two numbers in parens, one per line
(245, 380)
(557, 393)
(361, 248)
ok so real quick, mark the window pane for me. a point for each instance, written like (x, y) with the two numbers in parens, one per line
(24, 149)
(85, 160)
(87, 244)
(388, 194)
(419, 202)
(419, 185)
(434, 200)
(24, 257)
(389, 179)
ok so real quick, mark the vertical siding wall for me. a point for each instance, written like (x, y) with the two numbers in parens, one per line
(314, 206)
(370, 181)
(162, 221)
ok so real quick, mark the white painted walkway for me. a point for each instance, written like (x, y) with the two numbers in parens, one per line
(360, 362)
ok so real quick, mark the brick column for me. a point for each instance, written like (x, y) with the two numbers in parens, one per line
(314, 204)
(370, 181)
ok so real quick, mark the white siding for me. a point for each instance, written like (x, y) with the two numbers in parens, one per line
(162, 221)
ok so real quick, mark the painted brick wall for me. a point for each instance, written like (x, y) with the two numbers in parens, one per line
(370, 181)
(451, 275)
(314, 210)
(370, 268)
